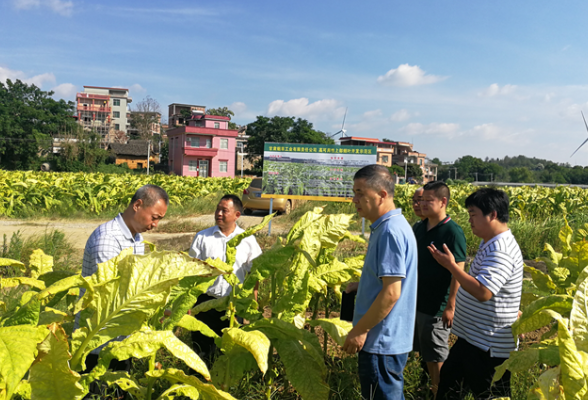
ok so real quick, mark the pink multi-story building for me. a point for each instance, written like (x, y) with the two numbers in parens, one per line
(204, 147)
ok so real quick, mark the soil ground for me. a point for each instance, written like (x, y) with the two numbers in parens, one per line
(77, 232)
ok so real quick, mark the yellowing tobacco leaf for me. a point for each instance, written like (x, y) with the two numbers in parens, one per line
(255, 342)
(579, 314)
(192, 324)
(335, 327)
(18, 349)
(40, 263)
(50, 376)
(207, 391)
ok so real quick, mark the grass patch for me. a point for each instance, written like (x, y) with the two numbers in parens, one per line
(52, 243)
(179, 226)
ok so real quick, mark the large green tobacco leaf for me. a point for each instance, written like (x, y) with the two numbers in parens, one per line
(26, 315)
(254, 342)
(184, 296)
(145, 343)
(50, 315)
(523, 360)
(125, 382)
(50, 376)
(541, 312)
(127, 291)
(228, 369)
(572, 375)
(206, 390)
(18, 349)
(541, 280)
(303, 371)
(336, 272)
(293, 298)
(335, 327)
(266, 264)
(579, 314)
(277, 329)
(192, 324)
(40, 263)
(219, 304)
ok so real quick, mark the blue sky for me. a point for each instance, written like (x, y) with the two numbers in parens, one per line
(488, 79)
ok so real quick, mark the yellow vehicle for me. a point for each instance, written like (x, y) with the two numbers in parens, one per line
(252, 200)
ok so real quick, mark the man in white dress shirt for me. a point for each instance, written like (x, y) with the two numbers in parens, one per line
(212, 243)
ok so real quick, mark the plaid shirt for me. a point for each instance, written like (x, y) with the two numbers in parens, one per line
(105, 243)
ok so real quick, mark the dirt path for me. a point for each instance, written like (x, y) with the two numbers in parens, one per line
(78, 231)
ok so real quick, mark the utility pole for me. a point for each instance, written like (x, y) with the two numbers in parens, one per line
(148, 155)
(491, 177)
(405, 168)
(455, 172)
(476, 176)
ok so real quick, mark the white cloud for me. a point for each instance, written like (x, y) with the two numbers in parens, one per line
(321, 109)
(446, 130)
(238, 107)
(494, 133)
(64, 8)
(65, 91)
(402, 115)
(37, 80)
(573, 110)
(495, 90)
(136, 88)
(372, 114)
(408, 75)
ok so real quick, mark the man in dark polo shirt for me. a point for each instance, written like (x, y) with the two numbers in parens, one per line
(436, 288)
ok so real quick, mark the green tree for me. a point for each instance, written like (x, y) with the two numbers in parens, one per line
(280, 130)
(414, 171)
(223, 112)
(28, 119)
(521, 175)
(396, 169)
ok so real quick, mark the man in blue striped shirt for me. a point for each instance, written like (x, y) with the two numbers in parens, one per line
(487, 302)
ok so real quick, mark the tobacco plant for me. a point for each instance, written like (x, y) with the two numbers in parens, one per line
(121, 311)
(564, 309)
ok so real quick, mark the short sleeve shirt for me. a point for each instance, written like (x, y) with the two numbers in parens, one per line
(434, 279)
(212, 243)
(498, 266)
(392, 252)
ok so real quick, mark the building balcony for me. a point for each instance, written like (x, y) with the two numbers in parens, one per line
(200, 152)
(93, 108)
(93, 96)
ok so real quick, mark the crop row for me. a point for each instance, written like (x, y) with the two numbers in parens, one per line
(95, 192)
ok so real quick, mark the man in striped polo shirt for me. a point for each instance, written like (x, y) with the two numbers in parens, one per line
(487, 302)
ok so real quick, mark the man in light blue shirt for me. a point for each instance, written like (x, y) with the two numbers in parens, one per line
(385, 308)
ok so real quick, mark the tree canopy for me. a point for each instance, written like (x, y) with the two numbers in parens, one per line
(223, 112)
(280, 130)
(28, 119)
(145, 116)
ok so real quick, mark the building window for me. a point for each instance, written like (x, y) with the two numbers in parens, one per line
(193, 166)
(224, 144)
(116, 127)
(216, 125)
(385, 159)
(194, 142)
(223, 166)
(421, 161)
(208, 143)
(116, 102)
(116, 114)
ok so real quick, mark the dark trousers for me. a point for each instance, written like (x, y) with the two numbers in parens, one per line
(212, 318)
(471, 368)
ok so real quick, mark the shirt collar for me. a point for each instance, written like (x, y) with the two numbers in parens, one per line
(238, 230)
(392, 213)
(442, 222)
(483, 245)
(125, 229)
